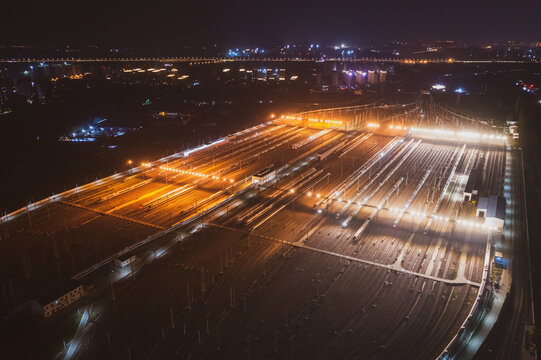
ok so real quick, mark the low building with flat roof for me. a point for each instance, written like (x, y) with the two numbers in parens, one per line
(60, 296)
(493, 210)
(472, 186)
(125, 259)
(263, 176)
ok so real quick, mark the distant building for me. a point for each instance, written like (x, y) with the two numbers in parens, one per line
(349, 74)
(334, 79)
(360, 77)
(24, 87)
(125, 259)
(6, 88)
(282, 75)
(482, 207)
(372, 77)
(513, 130)
(272, 75)
(493, 210)
(263, 176)
(60, 296)
(382, 76)
(318, 80)
(472, 186)
(512, 126)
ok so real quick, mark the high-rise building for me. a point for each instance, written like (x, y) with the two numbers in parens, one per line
(334, 79)
(348, 74)
(24, 87)
(372, 77)
(382, 76)
(6, 88)
(271, 75)
(318, 80)
(282, 75)
(360, 77)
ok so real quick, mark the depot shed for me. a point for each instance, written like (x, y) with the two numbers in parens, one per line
(125, 259)
(493, 210)
(60, 296)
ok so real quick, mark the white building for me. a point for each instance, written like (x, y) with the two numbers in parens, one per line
(513, 129)
(263, 176)
(493, 210)
(60, 296)
(372, 77)
(482, 207)
(125, 260)
(382, 76)
(360, 77)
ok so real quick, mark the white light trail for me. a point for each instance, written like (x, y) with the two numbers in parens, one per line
(365, 200)
(376, 209)
(188, 152)
(408, 203)
(461, 135)
(447, 183)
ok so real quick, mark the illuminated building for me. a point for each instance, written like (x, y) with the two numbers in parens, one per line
(24, 87)
(334, 79)
(382, 76)
(125, 260)
(60, 296)
(493, 210)
(360, 77)
(263, 176)
(372, 77)
(6, 87)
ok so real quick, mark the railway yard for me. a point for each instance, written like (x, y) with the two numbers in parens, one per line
(359, 245)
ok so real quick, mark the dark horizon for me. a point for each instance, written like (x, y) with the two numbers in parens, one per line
(244, 23)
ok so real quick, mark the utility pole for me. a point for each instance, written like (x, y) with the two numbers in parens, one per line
(112, 289)
(189, 304)
(172, 319)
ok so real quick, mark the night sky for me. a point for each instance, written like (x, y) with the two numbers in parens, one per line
(140, 24)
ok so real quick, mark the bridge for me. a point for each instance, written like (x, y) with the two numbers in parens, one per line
(211, 60)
